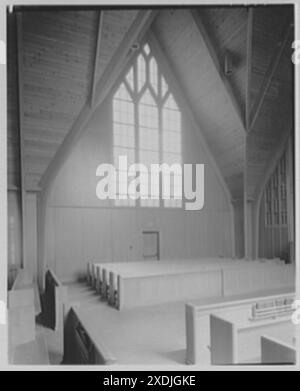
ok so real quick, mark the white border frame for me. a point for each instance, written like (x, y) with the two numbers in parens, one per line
(3, 175)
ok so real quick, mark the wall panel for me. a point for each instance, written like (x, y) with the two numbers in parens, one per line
(81, 228)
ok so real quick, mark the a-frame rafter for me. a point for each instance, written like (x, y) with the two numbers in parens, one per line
(250, 20)
(97, 56)
(19, 26)
(224, 82)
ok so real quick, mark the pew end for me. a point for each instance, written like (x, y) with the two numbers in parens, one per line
(274, 351)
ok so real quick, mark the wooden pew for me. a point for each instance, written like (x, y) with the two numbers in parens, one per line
(258, 276)
(235, 335)
(163, 264)
(223, 341)
(177, 283)
(135, 278)
(198, 324)
(157, 287)
(277, 351)
(82, 341)
(115, 272)
(55, 295)
(94, 275)
(98, 279)
(104, 284)
(89, 273)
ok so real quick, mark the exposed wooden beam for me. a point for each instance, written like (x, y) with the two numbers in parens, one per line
(42, 200)
(119, 60)
(19, 26)
(97, 56)
(269, 75)
(215, 59)
(177, 90)
(121, 57)
(249, 65)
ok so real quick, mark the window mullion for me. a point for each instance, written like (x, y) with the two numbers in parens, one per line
(136, 122)
(160, 138)
(160, 133)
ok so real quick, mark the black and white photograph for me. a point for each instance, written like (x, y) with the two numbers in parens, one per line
(149, 170)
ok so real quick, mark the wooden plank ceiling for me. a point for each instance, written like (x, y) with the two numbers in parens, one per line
(275, 117)
(58, 65)
(58, 53)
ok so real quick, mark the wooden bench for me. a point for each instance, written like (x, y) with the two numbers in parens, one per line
(82, 340)
(198, 323)
(258, 276)
(108, 274)
(236, 340)
(277, 351)
(178, 283)
(158, 287)
(133, 284)
(55, 295)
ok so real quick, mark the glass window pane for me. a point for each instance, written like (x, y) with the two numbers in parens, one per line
(149, 139)
(164, 86)
(149, 157)
(146, 49)
(130, 78)
(172, 142)
(122, 93)
(150, 203)
(173, 203)
(124, 138)
(153, 74)
(156, 140)
(129, 153)
(171, 158)
(141, 71)
(171, 120)
(171, 104)
(125, 202)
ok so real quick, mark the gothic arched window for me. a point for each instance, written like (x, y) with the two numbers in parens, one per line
(146, 128)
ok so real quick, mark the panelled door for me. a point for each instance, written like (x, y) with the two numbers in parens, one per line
(151, 245)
